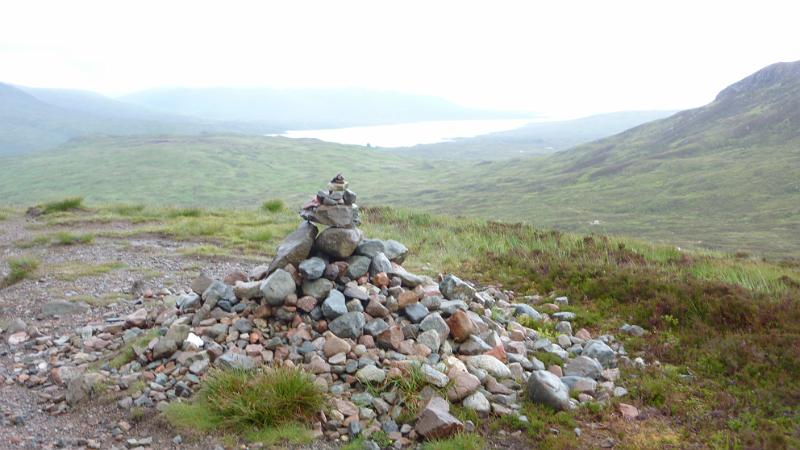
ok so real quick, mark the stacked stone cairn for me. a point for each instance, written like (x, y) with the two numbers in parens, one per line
(343, 308)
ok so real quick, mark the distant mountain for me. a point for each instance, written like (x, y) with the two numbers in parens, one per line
(725, 172)
(535, 138)
(33, 119)
(94, 103)
(307, 108)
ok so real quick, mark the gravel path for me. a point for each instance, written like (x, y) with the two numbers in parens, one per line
(152, 263)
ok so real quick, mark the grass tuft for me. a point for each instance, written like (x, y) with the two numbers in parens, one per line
(67, 238)
(73, 271)
(273, 206)
(251, 402)
(291, 433)
(67, 204)
(20, 268)
(461, 441)
(186, 212)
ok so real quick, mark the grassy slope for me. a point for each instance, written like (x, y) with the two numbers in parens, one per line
(725, 329)
(731, 199)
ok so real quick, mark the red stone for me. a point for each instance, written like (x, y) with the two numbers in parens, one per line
(381, 280)
(407, 298)
(461, 326)
(391, 338)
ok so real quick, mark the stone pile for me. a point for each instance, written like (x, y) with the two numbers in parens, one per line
(342, 307)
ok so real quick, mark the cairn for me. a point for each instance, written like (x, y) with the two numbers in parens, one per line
(343, 308)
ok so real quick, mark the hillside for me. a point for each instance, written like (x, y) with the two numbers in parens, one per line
(38, 119)
(725, 172)
(307, 108)
(723, 176)
(534, 138)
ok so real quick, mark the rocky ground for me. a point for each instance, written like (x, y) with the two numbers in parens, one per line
(352, 316)
(46, 305)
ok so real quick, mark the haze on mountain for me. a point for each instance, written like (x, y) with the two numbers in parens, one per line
(35, 119)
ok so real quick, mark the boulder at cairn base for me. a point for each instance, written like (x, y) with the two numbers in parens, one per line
(338, 242)
(277, 287)
(546, 388)
(295, 248)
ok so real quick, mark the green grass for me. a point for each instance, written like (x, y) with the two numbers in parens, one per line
(20, 268)
(127, 354)
(541, 420)
(74, 270)
(288, 433)
(260, 405)
(67, 238)
(461, 441)
(721, 199)
(67, 204)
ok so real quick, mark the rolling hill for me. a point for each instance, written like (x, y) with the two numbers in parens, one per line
(723, 176)
(728, 172)
(308, 108)
(534, 138)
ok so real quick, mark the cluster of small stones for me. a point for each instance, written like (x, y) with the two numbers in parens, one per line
(344, 309)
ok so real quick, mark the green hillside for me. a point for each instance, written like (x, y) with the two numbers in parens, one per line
(534, 138)
(728, 172)
(725, 176)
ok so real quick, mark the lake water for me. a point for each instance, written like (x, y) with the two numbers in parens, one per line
(409, 134)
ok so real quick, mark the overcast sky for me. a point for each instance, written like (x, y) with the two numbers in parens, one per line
(556, 57)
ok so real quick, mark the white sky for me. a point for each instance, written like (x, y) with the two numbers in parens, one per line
(556, 57)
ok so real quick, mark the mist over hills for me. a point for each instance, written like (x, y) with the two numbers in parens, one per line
(308, 108)
(35, 119)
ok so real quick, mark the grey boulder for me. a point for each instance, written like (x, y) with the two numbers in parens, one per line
(277, 287)
(334, 306)
(319, 288)
(453, 288)
(600, 351)
(380, 263)
(349, 325)
(547, 389)
(312, 268)
(357, 266)
(583, 366)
